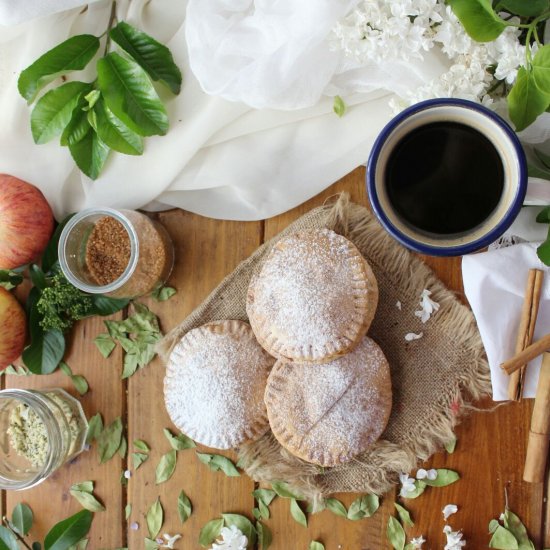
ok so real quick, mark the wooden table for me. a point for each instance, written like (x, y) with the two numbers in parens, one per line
(489, 454)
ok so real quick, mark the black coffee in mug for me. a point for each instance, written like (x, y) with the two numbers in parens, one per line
(444, 177)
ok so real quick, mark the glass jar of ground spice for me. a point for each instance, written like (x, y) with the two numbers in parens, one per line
(39, 431)
(118, 253)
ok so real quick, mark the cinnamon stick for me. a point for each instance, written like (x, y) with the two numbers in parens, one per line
(526, 329)
(539, 434)
(528, 354)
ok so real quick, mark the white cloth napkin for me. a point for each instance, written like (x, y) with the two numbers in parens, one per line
(13, 12)
(220, 158)
(494, 283)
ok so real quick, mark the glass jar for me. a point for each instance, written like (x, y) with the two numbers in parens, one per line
(118, 253)
(39, 431)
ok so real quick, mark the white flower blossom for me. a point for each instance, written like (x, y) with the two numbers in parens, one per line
(398, 305)
(170, 540)
(428, 306)
(410, 336)
(407, 485)
(429, 474)
(454, 539)
(418, 542)
(232, 538)
(127, 474)
(449, 510)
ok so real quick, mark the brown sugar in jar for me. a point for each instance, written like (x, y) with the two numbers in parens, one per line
(119, 253)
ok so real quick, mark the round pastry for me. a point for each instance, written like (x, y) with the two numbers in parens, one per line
(215, 382)
(313, 299)
(327, 414)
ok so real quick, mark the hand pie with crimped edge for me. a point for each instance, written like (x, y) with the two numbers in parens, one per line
(329, 413)
(313, 299)
(214, 384)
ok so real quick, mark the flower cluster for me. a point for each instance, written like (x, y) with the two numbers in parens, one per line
(379, 31)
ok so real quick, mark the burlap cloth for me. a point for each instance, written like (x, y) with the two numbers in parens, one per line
(433, 378)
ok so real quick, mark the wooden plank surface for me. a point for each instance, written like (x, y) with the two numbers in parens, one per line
(489, 455)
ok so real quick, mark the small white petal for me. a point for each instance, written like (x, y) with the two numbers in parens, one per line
(398, 305)
(127, 474)
(421, 474)
(449, 510)
(431, 474)
(134, 526)
(410, 336)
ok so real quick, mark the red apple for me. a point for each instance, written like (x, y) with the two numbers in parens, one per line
(12, 328)
(26, 222)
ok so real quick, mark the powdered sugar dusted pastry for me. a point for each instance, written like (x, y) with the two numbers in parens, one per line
(329, 413)
(215, 382)
(314, 298)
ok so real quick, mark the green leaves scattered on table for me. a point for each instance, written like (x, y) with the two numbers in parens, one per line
(137, 336)
(115, 110)
(363, 507)
(80, 383)
(395, 534)
(166, 467)
(83, 493)
(179, 442)
(163, 293)
(339, 107)
(314, 545)
(404, 515)
(155, 518)
(69, 531)
(297, 513)
(336, 507)
(211, 530)
(110, 439)
(450, 446)
(264, 535)
(265, 498)
(21, 519)
(219, 463)
(512, 535)
(530, 94)
(185, 508)
(283, 490)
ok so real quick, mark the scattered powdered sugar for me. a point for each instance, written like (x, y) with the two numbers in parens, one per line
(329, 413)
(311, 295)
(410, 336)
(215, 382)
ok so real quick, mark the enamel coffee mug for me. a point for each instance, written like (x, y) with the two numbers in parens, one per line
(446, 177)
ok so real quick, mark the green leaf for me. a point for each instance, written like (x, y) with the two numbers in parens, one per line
(185, 508)
(243, 524)
(525, 100)
(49, 257)
(503, 539)
(105, 344)
(493, 524)
(283, 490)
(131, 364)
(363, 507)
(130, 95)
(141, 445)
(339, 107)
(92, 98)
(166, 467)
(123, 449)
(264, 495)
(420, 486)
(219, 463)
(80, 383)
(544, 215)
(163, 293)
(72, 55)
(138, 459)
(80, 545)
(478, 19)
(69, 531)
(155, 518)
(151, 544)
(10, 279)
(179, 442)
(127, 511)
(314, 545)
(84, 486)
(297, 512)
(444, 477)
(543, 251)
(21, 519)
(38, 278)
(7, 539)
(153, 56)
(404, 515)
(90, 154)
(336, 507)
(395, 534)
(210, 532)
(541, 69)
(450, 446)
(77, 127)
(95, 427)
(516, 527)
(87, 500)
(264, 535)
(530, 8)
(54, 110)
(109, 440)
(45, 351)
(104, 305)
(114, 133)
(263, 509)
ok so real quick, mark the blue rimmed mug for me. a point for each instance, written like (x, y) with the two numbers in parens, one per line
(486, 122)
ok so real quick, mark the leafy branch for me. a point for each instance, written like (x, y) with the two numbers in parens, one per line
(116, 110)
